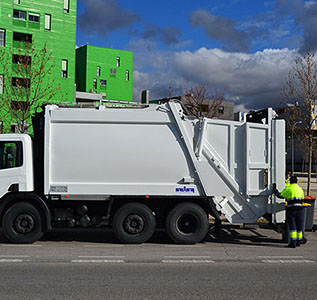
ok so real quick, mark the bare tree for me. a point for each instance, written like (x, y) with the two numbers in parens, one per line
(200, 103)
(301, 91)
(27, 83)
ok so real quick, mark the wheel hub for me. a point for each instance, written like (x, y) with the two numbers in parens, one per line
(187, 224)
(133, 224)
(24, 223)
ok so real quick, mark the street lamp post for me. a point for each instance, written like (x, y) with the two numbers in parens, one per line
(293, 128)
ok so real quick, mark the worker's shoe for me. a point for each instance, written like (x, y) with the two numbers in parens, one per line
(298, 243)
(290, 246)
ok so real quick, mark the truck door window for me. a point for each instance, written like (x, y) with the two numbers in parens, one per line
(10, 155)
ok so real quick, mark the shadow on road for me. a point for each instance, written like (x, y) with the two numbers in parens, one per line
(249, 235)
(230, 234)
(100, 235)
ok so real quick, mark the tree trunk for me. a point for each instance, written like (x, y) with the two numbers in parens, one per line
(310, 158)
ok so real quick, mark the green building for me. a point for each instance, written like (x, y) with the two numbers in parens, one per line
(105, 71)
(36, 22)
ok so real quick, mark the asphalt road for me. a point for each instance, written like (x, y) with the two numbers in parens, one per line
(246, 263)
(159, 281)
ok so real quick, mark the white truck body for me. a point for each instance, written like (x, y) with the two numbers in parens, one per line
(136, 169)
(93, 153)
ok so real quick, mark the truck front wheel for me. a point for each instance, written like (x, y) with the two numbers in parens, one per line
(187, 223)
(22, 224)
(134, 223)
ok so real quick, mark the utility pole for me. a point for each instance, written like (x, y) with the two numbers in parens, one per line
(293, 150)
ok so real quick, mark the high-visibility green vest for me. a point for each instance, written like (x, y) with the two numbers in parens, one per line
(294, 195)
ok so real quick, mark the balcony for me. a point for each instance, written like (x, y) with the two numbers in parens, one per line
(21, 45)
(20, 23)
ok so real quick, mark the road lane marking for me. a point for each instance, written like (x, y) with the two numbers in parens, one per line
(97, 261)
(287, 261)
(14, 256)
(184, 246)
(10, 260)
(191, 261)
(13, 245)
(281, 256)
(103, 246)
(100, 256)
(186, 257)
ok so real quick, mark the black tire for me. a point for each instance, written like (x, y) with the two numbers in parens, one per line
(187, 223)
(133, 223)
(22, 223)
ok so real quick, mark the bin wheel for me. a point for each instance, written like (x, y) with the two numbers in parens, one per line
(22, 223)
(134, 223)
(187, 223)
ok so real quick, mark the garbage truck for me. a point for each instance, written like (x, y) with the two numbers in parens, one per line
(136, 169)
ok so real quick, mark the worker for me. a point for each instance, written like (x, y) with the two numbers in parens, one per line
(294, 196)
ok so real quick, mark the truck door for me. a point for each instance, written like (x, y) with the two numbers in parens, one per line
(11, 160)
(257, 160)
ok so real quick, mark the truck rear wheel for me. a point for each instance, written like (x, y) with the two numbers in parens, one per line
(187, 223)
(22, 224)
(134, 223)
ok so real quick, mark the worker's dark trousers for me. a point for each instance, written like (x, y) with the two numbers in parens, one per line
(294, 217)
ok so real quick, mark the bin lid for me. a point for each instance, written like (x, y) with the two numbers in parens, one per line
(309, 199)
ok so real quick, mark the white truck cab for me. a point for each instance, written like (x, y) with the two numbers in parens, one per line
(16, 163)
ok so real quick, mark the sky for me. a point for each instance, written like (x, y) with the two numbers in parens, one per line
(242, 48)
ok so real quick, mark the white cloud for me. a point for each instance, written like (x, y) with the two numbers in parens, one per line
(251, 80)
(309, 4)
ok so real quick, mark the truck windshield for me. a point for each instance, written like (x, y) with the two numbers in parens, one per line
(10, 155)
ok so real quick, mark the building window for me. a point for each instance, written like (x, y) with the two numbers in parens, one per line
(2, 37)
(19, 14)
(103, 82)
(95, 84)
(127, 75)
(98, 71)
(21, 82)
(11, 154)
(13, 128)
(20, 105)
(1, 84)
(64, 68)
(21, 59)
(66, 6)
(118, 61)
(47, 22)
(16, 1)
(34, 17)
(22, 37)
(113, 71)
(221, 110)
